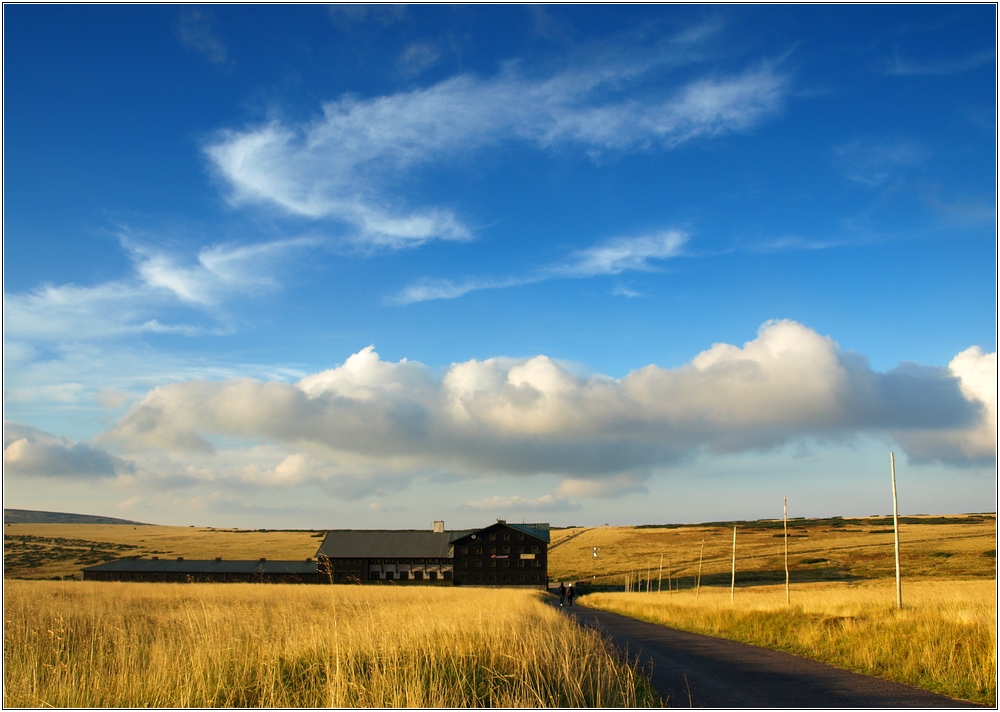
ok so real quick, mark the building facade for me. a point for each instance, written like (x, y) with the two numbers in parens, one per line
(203, 571)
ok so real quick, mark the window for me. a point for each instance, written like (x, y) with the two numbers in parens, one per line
(520, 563)
(493, 537)
(506, 536)
(534, 550)
(493, 578)
(506, 563)
(505, 578)
(520, 550)
(464, 563)
(493, 550)
(520, 577)
(506, 550)
(479, 550)
(534, 577)
(520, 537)
(478, 577)
(465, 550)
(463, 577)
(479, 562)
(493, 563)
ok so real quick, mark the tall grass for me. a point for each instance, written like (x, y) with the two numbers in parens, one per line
(943, 640)
(91, 644)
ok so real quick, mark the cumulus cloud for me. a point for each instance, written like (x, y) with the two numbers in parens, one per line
(612, 257)
(545, 503)
(31, 452)
(348, 164)
(601, 435)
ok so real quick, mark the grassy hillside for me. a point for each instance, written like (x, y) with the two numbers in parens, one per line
(943, 640)
(32, 516)
(85, 644)
(819, 550)
(42, 551)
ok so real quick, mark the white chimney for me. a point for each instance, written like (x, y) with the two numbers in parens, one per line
(439, 526)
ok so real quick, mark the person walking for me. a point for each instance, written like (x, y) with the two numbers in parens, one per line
(562, 594)
(570, 592)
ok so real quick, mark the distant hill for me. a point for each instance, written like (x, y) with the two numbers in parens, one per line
(30, 516)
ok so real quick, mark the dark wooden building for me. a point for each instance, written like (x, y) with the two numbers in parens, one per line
(182, 570)
(500, 555)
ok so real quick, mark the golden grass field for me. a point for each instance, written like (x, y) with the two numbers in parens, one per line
(943, 640)
(88, 644)
(842, 612)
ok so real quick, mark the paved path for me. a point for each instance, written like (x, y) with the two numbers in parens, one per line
(691, 670)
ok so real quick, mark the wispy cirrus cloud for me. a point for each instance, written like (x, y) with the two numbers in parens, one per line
(348, 164)
(194, 30)
(517, 503)
(898, 66)
(160, 282)
(641, 253)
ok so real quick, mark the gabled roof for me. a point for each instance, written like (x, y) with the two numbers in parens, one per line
(538, 530)
(386, 543)
(198, 566)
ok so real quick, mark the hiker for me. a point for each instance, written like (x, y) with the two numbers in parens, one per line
(570, 592)
(562, 594)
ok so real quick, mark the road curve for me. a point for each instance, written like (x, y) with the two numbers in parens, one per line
(692, 670)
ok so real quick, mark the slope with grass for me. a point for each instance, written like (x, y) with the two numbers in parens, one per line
(84, 644)
(944, 640)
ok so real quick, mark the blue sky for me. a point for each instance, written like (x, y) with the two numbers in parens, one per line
(376, 265)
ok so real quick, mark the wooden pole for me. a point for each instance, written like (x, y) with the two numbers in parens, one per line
(701, 558)
(669, 568)
(784, 516)
(659, 583)
(895, 527)
(649, 577)
(732, 586)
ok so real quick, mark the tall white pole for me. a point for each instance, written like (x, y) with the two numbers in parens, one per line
(701, 558)
(649, 577)
(732, 586)
(784, 515)
(895, 527)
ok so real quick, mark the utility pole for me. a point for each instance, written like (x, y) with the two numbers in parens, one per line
(732, 586)
(895, 527)
(701, 558)
(784, 516)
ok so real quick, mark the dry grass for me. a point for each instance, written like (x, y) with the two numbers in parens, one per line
(88, 644)
(944, 640)
(825, 550)
(44, 551)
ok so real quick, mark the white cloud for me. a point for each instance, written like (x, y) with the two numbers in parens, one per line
(347, 165)
(517, 503)
(371, 423)
(874, 163)
(193, 30)
(29, 452)
(943, 67)
(162, 281)
(612, 257)
(418, 57)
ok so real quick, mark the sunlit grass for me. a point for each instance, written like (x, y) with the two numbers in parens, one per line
(943, 640)
(90, 644)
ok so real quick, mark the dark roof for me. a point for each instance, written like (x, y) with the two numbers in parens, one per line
(537, 530)
(540, 529)
(197, 566)
(396, 543)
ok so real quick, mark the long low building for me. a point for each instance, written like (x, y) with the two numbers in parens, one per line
(501, 554)
(182, 570)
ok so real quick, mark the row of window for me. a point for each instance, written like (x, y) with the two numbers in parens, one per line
(505, 563)
(409, 561)
(409, 575)
(503, 578)
(493, 550)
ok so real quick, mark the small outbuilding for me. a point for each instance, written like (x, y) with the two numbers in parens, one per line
(182, 570)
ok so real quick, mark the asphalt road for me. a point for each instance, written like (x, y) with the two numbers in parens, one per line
(691, 670)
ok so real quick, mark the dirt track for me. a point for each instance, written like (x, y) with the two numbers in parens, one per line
(691, 670)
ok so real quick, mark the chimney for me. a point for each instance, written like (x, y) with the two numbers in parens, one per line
(439, 526)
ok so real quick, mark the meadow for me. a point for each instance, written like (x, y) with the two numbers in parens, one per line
(85, 644)
(943, 640)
